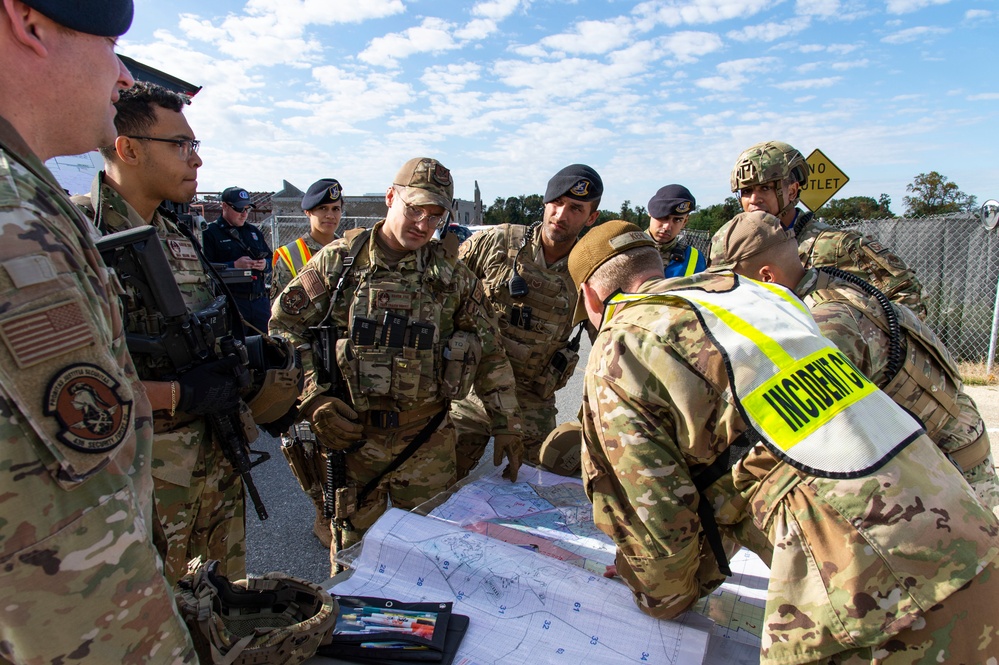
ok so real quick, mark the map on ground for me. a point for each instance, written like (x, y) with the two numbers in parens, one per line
(524, 607)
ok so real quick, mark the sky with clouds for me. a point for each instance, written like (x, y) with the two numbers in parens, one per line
(506, 92)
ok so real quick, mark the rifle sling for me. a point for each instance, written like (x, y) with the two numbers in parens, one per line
(418, 440)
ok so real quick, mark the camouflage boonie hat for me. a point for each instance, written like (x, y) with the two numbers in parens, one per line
(425, 181)
(594, 249)
(746, 235)
(271, 619)
(767, 162)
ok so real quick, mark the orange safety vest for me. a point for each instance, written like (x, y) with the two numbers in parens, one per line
(296, 260)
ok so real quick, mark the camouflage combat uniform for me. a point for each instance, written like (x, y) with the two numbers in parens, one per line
(531, 340)
(898, 561)
(282, 272)
(81, 579)
(821, 245)
(403, 384)
(199, 495)
(929, 385)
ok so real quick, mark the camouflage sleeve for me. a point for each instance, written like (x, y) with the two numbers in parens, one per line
(634, 471)
(304, 303)
(860, 340)
(475, 251)
(494, 380)
(81, 578)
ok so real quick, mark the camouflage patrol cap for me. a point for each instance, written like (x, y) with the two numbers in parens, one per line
(767, 162)
(425, 181)
(104, 18)
(746, 235)
(577, 181)
(560, 451)
(598, 246)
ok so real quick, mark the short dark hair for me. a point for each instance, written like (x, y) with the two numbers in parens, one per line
(137, 109)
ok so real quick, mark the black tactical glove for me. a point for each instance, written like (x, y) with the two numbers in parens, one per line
(214, 387)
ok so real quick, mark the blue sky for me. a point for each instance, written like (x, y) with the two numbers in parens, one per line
(506, 92)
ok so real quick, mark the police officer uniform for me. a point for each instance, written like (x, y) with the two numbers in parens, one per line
(679, 257)
(225, 243)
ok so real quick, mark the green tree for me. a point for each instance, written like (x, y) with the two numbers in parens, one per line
(934, 194)
(524, 209)
(637, 215)
(713, 217)
(857, 207)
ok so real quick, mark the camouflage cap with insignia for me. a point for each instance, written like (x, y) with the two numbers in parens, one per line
(577, 181)
(425, 181)
(746, 235)
(598, 246)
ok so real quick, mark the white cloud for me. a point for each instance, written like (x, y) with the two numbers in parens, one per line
(809, 84)
(818, 7)
(977, 15)
(449, 79)
(476, 29)
(914, 34)
(770, 32)
(688, 46)
(433, 34)
(852, 64)
(591, 37)
(909, 6)
(673, 13)
(984, 97)
(495, 10)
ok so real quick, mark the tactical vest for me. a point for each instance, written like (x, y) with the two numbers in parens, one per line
(295, 256)
(537, 325)
(798, 393)
(927, 382)
(386, 361)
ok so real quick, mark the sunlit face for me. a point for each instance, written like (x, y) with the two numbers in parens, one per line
(235, 217)
(324, 219)
(565, 218)
(760, 198)
(170, 170)
(402, 230)
(666, 229)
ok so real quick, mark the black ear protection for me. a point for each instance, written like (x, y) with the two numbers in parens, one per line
(517, 284)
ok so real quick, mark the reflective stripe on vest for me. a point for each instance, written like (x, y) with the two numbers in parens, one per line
(294, 261)
(809, 404)
(691, 266)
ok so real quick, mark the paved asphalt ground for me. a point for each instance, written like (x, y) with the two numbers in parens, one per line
(285, 542)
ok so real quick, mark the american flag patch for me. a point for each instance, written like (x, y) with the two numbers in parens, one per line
(43, 334)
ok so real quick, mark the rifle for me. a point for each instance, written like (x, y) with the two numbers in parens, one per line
(186, 339)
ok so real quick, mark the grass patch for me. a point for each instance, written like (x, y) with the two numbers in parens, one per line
(974, 374)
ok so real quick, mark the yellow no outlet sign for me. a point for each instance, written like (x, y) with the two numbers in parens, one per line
(824, 180)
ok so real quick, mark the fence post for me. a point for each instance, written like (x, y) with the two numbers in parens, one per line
(993, 335)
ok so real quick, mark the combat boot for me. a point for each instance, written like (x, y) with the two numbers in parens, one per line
(322, 528)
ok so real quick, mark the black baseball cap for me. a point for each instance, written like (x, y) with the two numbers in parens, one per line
(237, 198)
(577, 181)
(322, 191)
(104, 18)
(671, 200)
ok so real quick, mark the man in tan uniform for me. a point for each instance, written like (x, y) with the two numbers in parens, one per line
(81, 579)
(885, 341)
(878, 551)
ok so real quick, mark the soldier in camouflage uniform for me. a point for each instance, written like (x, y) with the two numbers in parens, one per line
(769, 177)
(917, 371)
(323, 206)
(691, 409)
(413, 331)
(523, 271)
(81, 579)
(199, 496)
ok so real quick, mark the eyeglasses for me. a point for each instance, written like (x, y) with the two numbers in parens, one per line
(417, 214)
(187, 146)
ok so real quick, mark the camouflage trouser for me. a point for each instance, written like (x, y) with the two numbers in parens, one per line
(428, 472)
(963, 628)
(474, 429)
(204, 519)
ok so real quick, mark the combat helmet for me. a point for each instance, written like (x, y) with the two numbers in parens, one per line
(766, 162)
(271, 619)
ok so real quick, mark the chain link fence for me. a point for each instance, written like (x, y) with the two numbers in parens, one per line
(956, 260)
(284, 229)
